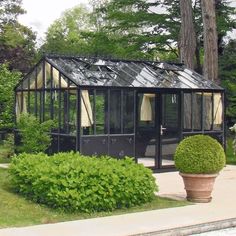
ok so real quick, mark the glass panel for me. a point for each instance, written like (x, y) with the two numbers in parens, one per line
(170, 128)
(115, 112)
(87, 112)
(128, 112)
(39, 81)
(38, 104)
(62, 112)
(47, 105)
(146, 130)
(207, 111)
(55, 108)
(32, 78)
(48, 76)
(101, 112)
(32, 103)
(25, 107)
(25, 83)
(187, 112)
(218, 111)
(197, 111)
(72, 112)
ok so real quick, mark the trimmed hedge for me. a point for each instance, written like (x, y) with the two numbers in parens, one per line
(199, 154)
(73, 182)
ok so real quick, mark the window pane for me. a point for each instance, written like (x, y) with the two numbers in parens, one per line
(115, 112)
(47, 104)
(170, 115)
(55, 107)
(207, 111)
(38, 104)
(62, 112)
(187, 111)
(197, 111)
(72, 112)
(128, 113)
(100, 112)
(32, 103)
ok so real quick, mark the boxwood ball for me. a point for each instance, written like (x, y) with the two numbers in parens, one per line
(199, 154)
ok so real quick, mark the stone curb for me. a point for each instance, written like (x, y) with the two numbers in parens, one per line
(5, 166)
(193, 229)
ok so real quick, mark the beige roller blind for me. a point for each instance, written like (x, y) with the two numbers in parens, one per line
(86, 110)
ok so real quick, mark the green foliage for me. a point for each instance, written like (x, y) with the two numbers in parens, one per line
(233, 129)
(34, 135)
(17, 42)
(78, 183)
(227, 73)
(65, 34)
(230, 156)
(199, 154)
(10, 10)
(7, 149)
(8, 80)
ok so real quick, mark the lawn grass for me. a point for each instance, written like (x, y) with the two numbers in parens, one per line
(15, 210)
(230, 157)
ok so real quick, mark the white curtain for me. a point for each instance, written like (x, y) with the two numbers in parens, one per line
(218, 109)
(146, 108)
(86, 110)
(21, 106)
(55, 75)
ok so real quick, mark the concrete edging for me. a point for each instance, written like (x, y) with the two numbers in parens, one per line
(193, 229)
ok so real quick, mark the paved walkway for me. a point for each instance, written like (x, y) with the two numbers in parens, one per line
(220, 213)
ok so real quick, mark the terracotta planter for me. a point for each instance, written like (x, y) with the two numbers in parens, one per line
(199, 186)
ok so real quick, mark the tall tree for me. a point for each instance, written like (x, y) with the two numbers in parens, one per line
(187, 34)
(64, 34)
(210, 40)
(10, 10)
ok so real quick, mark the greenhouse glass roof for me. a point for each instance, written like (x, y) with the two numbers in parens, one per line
(108, 72)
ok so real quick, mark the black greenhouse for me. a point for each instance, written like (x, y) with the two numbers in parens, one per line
(121, 108)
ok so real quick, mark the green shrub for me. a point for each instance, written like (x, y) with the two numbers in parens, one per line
(199, 154)
(34, 135)
(78, 183)
(8, 148)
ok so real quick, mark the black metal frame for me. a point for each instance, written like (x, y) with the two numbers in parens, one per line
(124, 142)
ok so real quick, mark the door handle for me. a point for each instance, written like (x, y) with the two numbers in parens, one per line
(162, 129)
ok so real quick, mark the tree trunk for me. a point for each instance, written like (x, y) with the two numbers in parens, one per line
(210, 67)
(187, 34)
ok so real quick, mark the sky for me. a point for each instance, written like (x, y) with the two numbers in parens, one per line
(41, 13)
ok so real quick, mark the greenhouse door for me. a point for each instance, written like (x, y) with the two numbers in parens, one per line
(157, 129)
(170, 128)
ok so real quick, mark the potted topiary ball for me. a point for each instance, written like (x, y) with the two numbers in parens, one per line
(199, 159)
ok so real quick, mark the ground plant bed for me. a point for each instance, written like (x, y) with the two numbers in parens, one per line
(17, 211)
